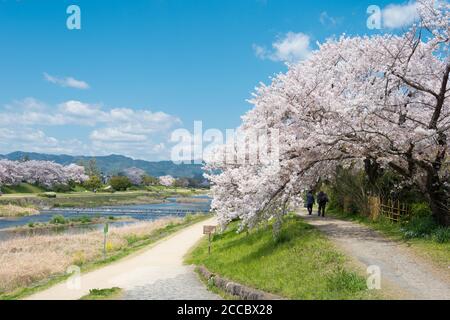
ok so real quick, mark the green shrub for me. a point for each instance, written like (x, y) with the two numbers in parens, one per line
(441, 235)
(420, 210)
(93, 183)
(58, 219)
(419, 227)
(342, 280)
(120, 183)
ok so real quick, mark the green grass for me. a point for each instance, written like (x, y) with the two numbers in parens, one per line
(22, 188)
(138, 244)
(300, 264)
(79, 188)
(427, 247)
(103, 294)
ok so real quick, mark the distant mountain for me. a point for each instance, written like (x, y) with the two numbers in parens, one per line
(114, 164)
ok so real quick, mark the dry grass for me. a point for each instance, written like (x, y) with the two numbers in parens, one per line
(10, 210)
(24, 261)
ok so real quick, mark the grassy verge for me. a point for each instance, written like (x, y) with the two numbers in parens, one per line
(22, 188)
(214, 289)
(301, 264)
(426, 247)
(131, 243)
(103, 294)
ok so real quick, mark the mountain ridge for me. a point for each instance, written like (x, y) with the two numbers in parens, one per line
(114, 163)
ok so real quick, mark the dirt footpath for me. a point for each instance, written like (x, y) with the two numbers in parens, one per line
(414, 277)
(155, 273)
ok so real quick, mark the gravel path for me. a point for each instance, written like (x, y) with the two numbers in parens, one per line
(155, 273)
(414, 277)
(184, 286)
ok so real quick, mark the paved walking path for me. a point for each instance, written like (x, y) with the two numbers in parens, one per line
(414, 277)
(157, 273)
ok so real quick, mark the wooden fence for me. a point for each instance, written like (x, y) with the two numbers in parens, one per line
(393, 210)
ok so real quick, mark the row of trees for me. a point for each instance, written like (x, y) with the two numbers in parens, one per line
(134, 177)
(43, 173)
(140, 177)
(52, 175)
(379, 102)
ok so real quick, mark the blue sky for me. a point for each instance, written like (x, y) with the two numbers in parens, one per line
(139, 69)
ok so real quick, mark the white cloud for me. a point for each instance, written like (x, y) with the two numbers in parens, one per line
(67, 82)
(29, 103)
(77, 108)
(292, 48)
(115, 134)
(260, 51)
(399, 16)
(329, 21)
(34, 140)
(138, 133)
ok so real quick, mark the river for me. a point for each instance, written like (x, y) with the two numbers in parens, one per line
(134, 213)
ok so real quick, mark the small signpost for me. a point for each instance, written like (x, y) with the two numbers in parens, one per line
(209, 230)
(105, 233)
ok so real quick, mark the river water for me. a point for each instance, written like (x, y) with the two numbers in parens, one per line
(134, 213)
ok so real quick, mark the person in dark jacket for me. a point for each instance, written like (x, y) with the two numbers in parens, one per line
(310, 200)
(322, 200)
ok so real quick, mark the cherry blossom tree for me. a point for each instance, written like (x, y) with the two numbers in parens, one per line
(75, 173)
(135, 175)
(44, 173)
(380, 100)
(10, 173)
(167, 181)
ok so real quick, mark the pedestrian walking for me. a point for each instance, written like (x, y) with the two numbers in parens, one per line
(322, 200)
(310, 201)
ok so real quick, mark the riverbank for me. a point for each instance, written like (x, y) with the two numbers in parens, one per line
(156, 272)
(58, 222)
(300, 264)
(10, 210)
(149, 195)
(30, 264)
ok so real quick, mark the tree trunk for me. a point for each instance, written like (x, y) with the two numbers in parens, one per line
(439, 200)
(373, 172)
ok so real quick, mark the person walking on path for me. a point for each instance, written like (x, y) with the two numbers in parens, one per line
(322, 200)
(310, 200)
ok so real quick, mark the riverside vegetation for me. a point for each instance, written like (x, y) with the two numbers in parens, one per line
(83, 198)
(32, 263)
(11, 210)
